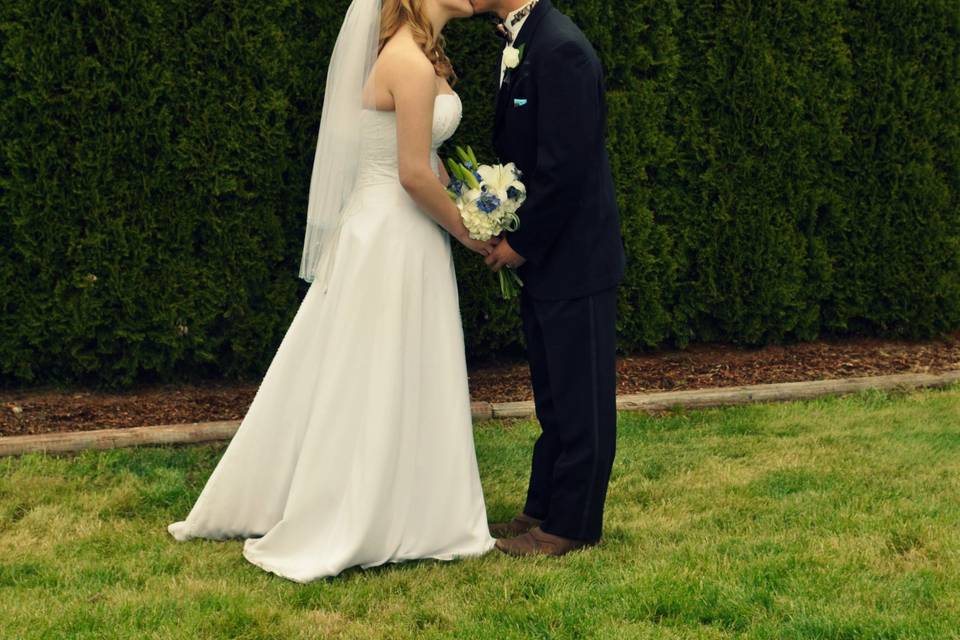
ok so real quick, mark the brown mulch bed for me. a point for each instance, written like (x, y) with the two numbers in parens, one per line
(44, 410)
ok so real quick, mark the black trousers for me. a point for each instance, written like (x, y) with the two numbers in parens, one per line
(571, 346)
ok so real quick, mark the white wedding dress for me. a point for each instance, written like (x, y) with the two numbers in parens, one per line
(358, 447)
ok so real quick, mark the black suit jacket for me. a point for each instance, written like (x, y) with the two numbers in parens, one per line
(551, 121)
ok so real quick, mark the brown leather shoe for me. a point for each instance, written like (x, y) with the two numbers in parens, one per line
(539, 542)
(520, 524)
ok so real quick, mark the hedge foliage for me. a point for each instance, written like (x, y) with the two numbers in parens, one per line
(785, 169)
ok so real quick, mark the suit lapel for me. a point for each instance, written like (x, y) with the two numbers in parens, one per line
(533, 22)
(524, 38)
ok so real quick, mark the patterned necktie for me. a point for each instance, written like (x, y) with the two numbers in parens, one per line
(502, 31)
(501, 25)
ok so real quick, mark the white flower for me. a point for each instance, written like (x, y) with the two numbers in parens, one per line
(470, 197)
(511, 57)
(482, 226)
(510, 206)
(499, 179)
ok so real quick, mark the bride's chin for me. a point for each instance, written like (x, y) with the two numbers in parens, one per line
(463, 10)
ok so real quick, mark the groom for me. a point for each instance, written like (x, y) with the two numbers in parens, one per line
(551, 121)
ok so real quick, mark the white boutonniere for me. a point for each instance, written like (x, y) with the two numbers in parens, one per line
(512, 56)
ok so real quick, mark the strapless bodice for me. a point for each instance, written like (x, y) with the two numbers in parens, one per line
(378, 140)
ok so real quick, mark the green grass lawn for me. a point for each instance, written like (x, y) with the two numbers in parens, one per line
(829, 519)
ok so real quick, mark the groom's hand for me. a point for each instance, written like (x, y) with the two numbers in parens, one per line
(504, 256)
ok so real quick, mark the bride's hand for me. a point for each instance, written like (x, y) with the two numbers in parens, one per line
(478, 246)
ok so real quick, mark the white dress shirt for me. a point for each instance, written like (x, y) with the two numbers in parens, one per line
(514, 31)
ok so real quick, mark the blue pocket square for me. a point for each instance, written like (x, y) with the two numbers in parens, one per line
(519, 102)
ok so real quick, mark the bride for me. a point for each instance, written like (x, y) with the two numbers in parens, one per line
(358, 447)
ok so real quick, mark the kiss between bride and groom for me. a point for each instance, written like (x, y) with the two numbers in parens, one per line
(357, 449)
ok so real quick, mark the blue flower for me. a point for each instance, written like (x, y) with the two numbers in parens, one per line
(468, 165)
(513, 193)
(456, 187)
(488, 203)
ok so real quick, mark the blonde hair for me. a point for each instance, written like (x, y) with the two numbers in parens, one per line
(395, 13)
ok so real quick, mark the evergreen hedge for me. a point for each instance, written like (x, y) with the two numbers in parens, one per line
(785, 169)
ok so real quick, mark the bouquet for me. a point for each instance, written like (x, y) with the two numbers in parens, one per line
(488, 197)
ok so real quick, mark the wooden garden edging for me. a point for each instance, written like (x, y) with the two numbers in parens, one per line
(693, 399)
